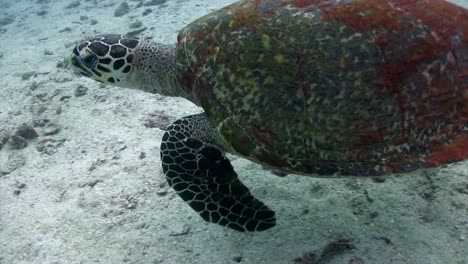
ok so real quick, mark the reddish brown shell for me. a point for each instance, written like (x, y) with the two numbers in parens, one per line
(358, 87)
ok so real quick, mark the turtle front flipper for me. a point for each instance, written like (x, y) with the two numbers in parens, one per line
(197, 169)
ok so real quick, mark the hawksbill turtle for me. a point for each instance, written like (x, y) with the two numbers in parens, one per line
(313, 87)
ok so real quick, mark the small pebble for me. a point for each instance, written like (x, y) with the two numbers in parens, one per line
(18, 142)
(378, 179)
(185, 230)
(65, 29)
(26, 131)
(27, 75)
(93, 21)
(64, 98)
(73, 4)
(161, 192)
(122, 10)
(48, 146)
(80, 91)
(40, 122)
(136, 32)
(51, 129)
(48, 52)
(136, 24)
(34, 86)
(62, 64)
(147, 11)
(6, 21)
(13, 162)
(16, 192)
(41, 13)
(237, 259)
(155, 2)
(83, 18)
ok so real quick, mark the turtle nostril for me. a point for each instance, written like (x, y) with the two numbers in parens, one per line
(89, 60)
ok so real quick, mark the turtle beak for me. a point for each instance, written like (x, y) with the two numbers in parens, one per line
(81, 67)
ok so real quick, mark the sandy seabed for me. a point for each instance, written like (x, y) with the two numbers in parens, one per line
(89, 188)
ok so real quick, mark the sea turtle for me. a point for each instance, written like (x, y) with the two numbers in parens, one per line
(313, 87)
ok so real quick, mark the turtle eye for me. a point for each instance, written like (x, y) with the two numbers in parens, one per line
(89, 60)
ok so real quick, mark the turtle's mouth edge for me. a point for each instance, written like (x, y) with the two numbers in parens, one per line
(79, 67)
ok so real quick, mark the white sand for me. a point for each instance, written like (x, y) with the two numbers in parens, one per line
(85, 194)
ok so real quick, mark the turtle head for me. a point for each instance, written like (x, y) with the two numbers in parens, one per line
(131, 63)
(105, 58)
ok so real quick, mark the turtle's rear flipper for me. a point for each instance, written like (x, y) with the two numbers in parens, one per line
(200, 173)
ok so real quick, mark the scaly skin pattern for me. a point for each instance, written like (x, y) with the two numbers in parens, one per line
(129, 62)
(357, 87)
(105, 58)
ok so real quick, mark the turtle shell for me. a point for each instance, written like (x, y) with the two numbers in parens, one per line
(355, 87)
